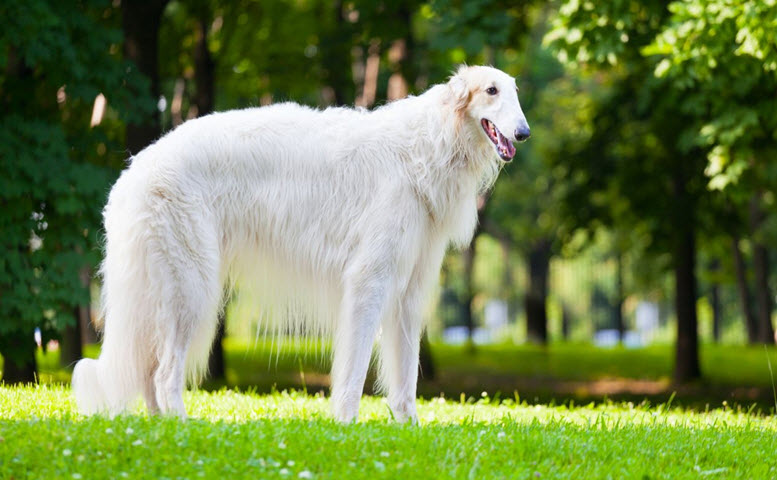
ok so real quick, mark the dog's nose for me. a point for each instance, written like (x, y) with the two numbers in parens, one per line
(522, 134)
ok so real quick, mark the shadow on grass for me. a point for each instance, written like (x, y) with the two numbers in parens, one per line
(558, 373)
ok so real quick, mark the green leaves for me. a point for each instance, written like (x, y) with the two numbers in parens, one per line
(727, 51)
(56, 170)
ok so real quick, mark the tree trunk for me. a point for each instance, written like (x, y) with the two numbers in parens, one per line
(683, 218)
(762, 294)
(204, 68)
(216, 365)
(335, 50)
(620, 295)
(507, 290)
(715, 301)
(537, 293)
(426, 368)
(70, 346)
(75, 336)
(468, 257)
(744, 292)
(763, 299)
(687, 347)
(566, 322)
(87, 328)
(88, 331)
(140, 24)
(19, 366)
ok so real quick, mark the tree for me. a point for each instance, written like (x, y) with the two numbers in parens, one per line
(524, 205)
(705, 47)
(55, 60)
(640, 152)
(140, 24)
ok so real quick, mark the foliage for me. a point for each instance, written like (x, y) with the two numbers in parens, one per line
(468, 27)
(724, 53)
(623, 174)
(54, 60)
(291, 435)
(712, 62)
(524, 200)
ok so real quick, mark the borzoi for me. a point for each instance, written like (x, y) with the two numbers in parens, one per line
(337, 220)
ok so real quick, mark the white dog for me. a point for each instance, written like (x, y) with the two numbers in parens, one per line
(337, 219)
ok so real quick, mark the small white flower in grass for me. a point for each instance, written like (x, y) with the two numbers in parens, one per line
(351, 464)
(137, 442)
(109, 430)
(384, 454)
(129, 431)
(66, 452)
(484, 394)
(282, 445)
(283, 471)
(305, 474)
(290, 463)
(500, 435)
(380, 466)
(76, 475)
(80, 458)
(124, 474)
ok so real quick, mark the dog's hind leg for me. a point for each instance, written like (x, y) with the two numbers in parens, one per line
(186, 305)
(149, 392)
(363, 304)
(170, 377)
(193, 313)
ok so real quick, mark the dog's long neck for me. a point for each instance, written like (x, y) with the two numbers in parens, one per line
(461, 165)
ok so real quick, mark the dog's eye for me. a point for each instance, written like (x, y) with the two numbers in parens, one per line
(492, 91)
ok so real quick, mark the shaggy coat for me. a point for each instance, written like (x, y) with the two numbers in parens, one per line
(336, 221)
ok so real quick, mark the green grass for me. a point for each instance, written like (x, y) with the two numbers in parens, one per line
(560, 372)
(291, 435)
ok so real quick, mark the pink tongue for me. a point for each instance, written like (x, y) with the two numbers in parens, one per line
(506, 146)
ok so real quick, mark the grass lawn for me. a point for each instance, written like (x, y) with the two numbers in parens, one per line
(560, 372)
(291, 435)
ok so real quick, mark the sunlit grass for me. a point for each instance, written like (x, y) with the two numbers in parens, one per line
(559, 372)
(292, 435)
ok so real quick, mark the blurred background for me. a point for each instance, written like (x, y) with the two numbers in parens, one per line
(626, 253)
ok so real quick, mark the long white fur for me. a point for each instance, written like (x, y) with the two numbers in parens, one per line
(336, 220)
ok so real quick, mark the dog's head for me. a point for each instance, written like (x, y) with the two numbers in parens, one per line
(489, 97)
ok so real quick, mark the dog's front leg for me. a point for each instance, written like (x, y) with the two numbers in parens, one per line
(399, 350)
(401, 336)
(362, 308)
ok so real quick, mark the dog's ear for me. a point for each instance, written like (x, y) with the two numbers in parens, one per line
(460, 93)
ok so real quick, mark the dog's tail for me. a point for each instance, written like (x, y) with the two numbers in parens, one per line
(109, 383)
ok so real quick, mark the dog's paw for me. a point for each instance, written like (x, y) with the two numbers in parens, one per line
(404, 412)
(345, 408)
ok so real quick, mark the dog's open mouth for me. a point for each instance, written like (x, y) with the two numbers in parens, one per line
(504, 147)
